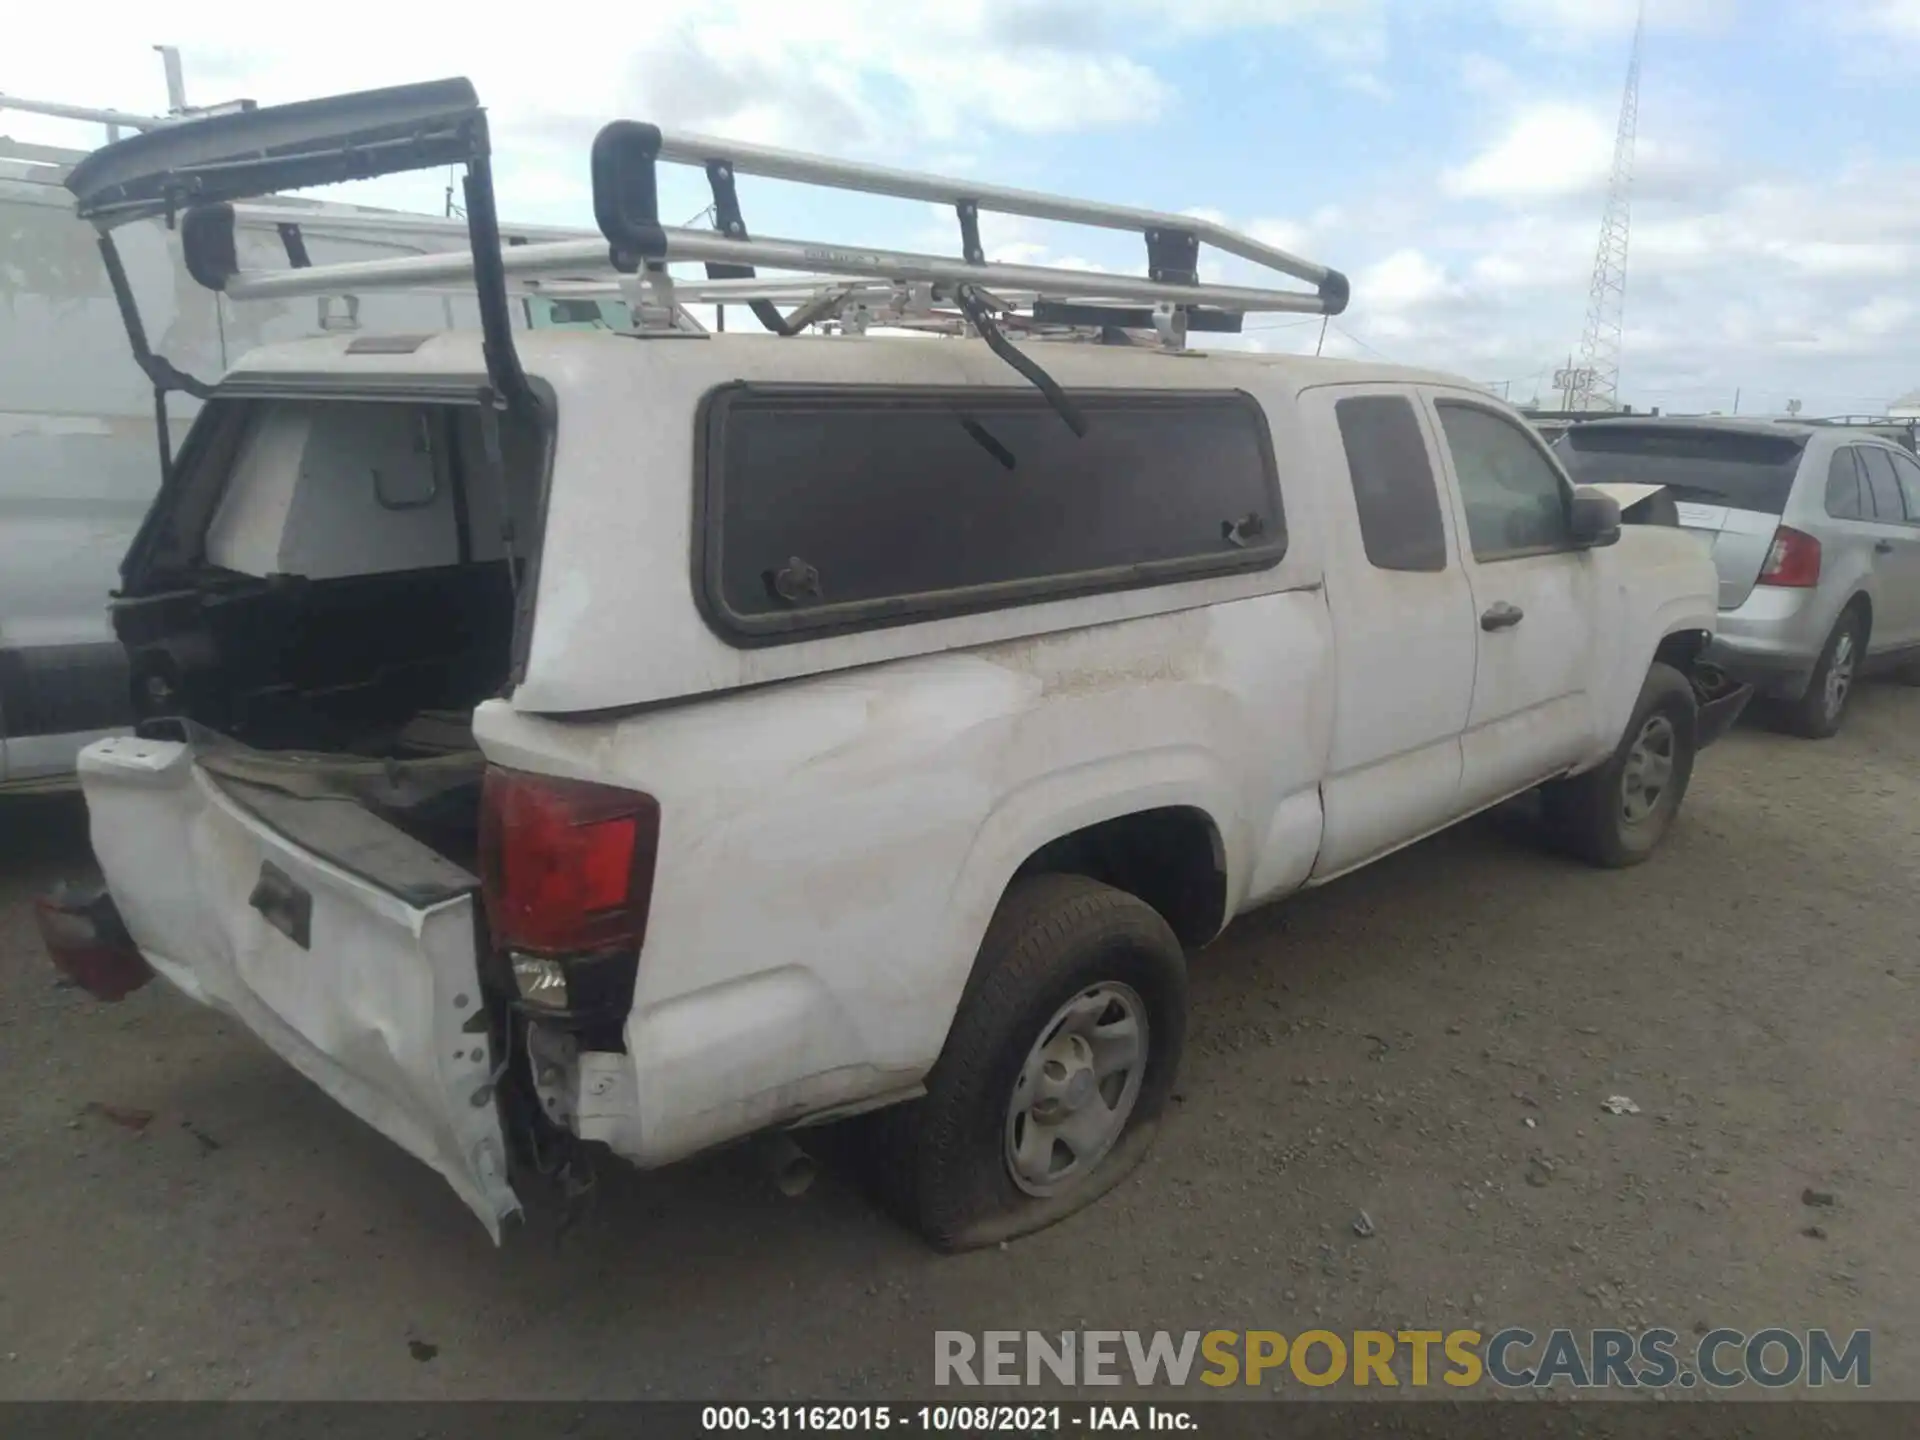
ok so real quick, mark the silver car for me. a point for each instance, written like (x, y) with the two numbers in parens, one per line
(1816, 534)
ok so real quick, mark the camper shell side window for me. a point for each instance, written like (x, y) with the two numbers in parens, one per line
(835, 508)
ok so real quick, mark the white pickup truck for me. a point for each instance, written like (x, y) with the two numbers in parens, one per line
(736, 733)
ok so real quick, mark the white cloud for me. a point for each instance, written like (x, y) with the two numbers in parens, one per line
(1289, 235)
(1800, 288)
(1561, 149)
(859, 73)
(1882, 315)
(1584, 21)
(1484, 75)
(1483, 272)
(1824, 259)
(1898, 18)
(1549, 149)
(1406, 279)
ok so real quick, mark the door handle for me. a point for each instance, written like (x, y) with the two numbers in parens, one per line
(1883, 547)
(1501, 616)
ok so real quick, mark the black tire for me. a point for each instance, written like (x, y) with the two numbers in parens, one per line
(1815, 715)
(1592, 815)
(944, 1159)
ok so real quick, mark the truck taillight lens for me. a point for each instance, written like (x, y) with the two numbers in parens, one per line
(1792, 560)
(568, 873)
(87, 941)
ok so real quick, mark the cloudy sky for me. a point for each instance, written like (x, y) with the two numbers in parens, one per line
(1451, 155)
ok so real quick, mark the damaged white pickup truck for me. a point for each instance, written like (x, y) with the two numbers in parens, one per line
(650, 740)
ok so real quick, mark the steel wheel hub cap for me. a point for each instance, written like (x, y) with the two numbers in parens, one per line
(1840, 675)
(1649, 769)
(1077, 1088)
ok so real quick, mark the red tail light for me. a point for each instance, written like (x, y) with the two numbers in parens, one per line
(1793, 560)
(86, 940)
(568, 873)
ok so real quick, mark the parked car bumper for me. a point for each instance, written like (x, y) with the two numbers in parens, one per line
(1774, 675)
(1772, 640)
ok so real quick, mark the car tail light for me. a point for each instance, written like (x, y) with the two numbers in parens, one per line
(88, 943)
(1792, 560)
(567, 869)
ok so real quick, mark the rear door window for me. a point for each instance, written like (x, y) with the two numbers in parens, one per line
(1741, 469)
(1393, 484)
(1843, 486)
(1907, 471)
(1883, 485)
(836, 507)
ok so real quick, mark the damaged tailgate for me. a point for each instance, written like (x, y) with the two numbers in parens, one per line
(349, 947)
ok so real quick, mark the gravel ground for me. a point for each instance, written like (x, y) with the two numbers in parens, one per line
(1377, 1045)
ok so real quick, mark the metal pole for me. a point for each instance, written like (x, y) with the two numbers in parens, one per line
(775, 164)
(176, 79)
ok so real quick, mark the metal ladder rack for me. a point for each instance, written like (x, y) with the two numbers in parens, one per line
(196, 170)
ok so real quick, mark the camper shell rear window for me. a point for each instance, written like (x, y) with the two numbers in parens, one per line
(823, 509)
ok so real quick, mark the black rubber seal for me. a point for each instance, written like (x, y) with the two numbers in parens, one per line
(626, 196)
(206, 240)
(1335, 291)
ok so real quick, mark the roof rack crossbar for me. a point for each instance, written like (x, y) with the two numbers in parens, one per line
(625, 145)
(588, 258)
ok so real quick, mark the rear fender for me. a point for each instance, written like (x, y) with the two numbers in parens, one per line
(1059, 804)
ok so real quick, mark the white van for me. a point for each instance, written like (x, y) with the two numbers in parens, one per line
(637, 742)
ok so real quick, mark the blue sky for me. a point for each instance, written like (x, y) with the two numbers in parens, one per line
(1451, 155)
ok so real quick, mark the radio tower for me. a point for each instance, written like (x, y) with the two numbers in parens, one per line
(1599, 373)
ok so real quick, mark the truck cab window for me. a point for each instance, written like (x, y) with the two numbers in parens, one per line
(1393, 485)
(1516, 502)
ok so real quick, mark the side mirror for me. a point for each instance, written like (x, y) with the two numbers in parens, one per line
(1595, 518)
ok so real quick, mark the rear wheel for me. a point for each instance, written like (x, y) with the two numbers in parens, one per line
(1817, 714)
(1058, 1064)
(1617, 814)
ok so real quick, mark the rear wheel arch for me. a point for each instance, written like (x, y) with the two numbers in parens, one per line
(1862, 603)
(1817, 713)
(1172, 857)
(1080, 823)
(1681, 648)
